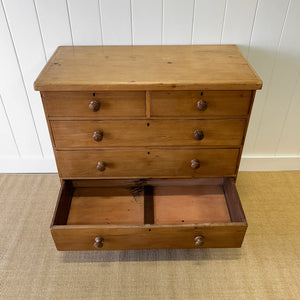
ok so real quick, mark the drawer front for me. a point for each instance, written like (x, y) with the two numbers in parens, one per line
(148, 237)
(98, 134)
(95, 218)
(147, 163)
(95, 105)
(197, 104)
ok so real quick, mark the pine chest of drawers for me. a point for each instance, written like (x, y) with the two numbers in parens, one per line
(147, 141)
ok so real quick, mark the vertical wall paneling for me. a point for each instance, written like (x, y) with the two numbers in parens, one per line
(14, 96)
(85, 22)
(238, 23)
(8, 145)
(208, 21)
(178, 21)
(54, 23)
(262, 55)
(282, 86)
(289, 141)
(31, 57)
(147, 22)
(116, 22)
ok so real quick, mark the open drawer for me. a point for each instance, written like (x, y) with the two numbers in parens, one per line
(148, 214)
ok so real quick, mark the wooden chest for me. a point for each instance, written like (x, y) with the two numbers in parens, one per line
(147, 141)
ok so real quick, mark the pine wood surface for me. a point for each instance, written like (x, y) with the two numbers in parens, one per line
(183, 104)
(92, 68)
(112, 104)
(116, 216)
(143, 133)
(147, 163)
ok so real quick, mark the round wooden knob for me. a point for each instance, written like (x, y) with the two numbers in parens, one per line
(195, 163)
(98, 135)
(94, 105)
(98, 242)
(198, 135)
(202, 105)
(101, 166)
(199, 241)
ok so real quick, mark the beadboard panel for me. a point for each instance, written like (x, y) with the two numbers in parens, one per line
(147, 22)
(85, 22)
(208, 14)
(266, 32)
(31, 57)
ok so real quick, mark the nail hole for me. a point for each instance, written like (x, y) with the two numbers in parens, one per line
(148, 124)
(94, 94)
(149, 229)
(148, 153)
(201, 93)
(182, 221)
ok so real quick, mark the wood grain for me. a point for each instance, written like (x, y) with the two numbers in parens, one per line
(112, 104)
(134, 133)
(151, 163)
(183, 104)
(70, 238)
(190, 205)
(94, 68)
(106, 206)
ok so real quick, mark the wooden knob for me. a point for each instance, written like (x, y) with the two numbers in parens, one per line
(101, 166)
(198, 135)
(195, 163)
(98, 242)
(199, 241)
(98, 135)
(94, 105)
(202, 105)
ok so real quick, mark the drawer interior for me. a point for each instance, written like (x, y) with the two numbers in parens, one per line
(151, 201)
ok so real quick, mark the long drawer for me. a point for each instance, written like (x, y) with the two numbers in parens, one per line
(149, 214)
(99, 134)
(197, 104)
(147, 163)
(95, 105)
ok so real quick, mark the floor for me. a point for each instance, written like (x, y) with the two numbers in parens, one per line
(266, 267)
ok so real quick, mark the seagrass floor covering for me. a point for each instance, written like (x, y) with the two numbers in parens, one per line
(266, 267)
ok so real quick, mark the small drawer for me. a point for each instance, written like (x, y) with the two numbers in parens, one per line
(199, 104)
(147, 163)
(148, 214)
(99, 134)
(94, 105)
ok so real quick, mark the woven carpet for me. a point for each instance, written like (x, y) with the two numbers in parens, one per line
(266, 267)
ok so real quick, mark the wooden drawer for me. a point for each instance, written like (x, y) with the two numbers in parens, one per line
(98, 134)
(147, 163)
(198, 104)
(148, 214)
(95, 105)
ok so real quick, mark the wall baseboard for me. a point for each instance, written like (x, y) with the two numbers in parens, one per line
(270, 163)
(27, 165)
(248, 163)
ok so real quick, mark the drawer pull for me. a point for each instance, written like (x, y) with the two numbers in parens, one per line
(198, 135)
(98, 242)
(98, 135)
(199, 241)
(101, 166)
(94, 105)
(202, 105)
(195, 163)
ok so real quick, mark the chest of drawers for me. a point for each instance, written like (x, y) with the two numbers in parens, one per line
(147, 141)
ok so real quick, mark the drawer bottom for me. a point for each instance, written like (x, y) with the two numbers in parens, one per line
(148, 214)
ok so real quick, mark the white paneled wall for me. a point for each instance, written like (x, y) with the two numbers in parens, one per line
(266, 31)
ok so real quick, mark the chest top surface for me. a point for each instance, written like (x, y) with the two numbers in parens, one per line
(100, 68)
